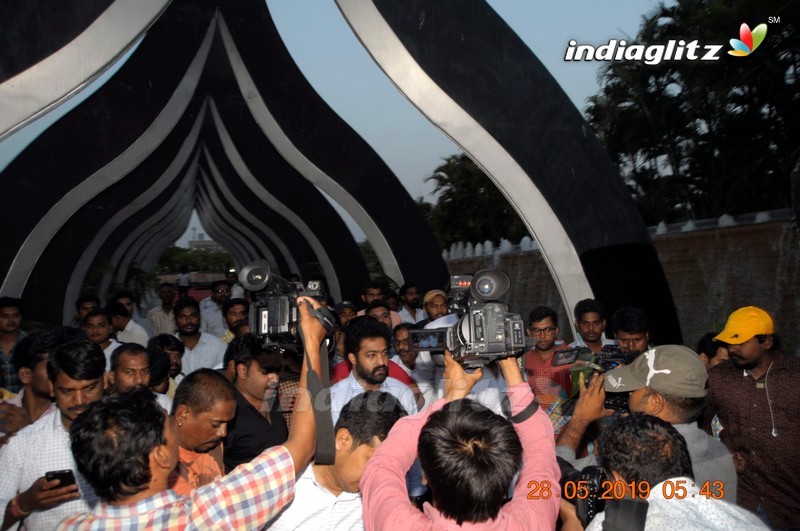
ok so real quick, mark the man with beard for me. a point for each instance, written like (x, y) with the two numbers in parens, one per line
(235, 312)
(202, 349)
(548, 383)
(258, 424)
(755, 397)
(410, 313)
(668, 382)
(76, 371)
(367, 348)
(130, 369)
(174, 349)
(435, 304)
(204, 405)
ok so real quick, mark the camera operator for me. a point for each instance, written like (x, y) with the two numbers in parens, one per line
(668, 382)
(649, 458)
(469, 456)
(126, 447)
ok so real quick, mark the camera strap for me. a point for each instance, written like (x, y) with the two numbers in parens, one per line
(523, 415)
(625, 515)
(326, 449)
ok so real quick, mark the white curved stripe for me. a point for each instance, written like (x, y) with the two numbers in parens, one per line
(131, 248)
(516, 185)
(272, 202)
(303, 165)
(142, 236)
(56, 78)
(209, 224)
(144, 199)
(246, 250)
(38, 239)
(166, 237)
(237, 207)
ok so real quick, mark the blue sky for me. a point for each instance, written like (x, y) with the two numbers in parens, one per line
(342, 72)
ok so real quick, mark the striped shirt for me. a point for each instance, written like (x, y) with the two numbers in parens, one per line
(163, 322)
(247, 498)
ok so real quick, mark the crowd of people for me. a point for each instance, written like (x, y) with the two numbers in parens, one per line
(184, 418)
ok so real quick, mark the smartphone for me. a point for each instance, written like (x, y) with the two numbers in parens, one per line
(65, 476)
(431, 340)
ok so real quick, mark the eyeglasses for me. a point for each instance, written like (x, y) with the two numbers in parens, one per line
(222, 291)
(546, 330)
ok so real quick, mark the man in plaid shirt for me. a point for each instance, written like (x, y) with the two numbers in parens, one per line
(126, 448)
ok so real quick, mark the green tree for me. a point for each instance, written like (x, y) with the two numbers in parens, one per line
(175, 259)
(470, 208)
(697, 139)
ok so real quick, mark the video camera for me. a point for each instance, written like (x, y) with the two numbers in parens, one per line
(485, 330)
(587, 363)
(274, 316)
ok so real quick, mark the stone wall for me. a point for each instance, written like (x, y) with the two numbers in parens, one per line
(711, 272)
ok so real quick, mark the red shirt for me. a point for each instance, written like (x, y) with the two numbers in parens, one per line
(342, 371)
(547, 382)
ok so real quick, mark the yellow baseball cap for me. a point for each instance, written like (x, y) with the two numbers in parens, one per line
(745, 323)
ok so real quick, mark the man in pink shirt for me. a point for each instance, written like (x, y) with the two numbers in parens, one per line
(469, 456)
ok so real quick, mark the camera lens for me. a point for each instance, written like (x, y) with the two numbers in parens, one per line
(256, 275)
(485, 286)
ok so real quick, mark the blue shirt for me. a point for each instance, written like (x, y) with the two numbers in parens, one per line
(342, 392)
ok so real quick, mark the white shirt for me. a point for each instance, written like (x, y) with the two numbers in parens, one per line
(211, 320)
(581, 343)
(407, 317)
(315, 508)
(38, 448)
(133, 333)
(343, 391)
(694, 512)
(237, 291)
(164, 401)
(208, 353)
(110, 350)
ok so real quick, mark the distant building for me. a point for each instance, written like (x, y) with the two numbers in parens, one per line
(206, 245)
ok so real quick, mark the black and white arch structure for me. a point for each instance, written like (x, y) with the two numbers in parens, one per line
(210, 113)
(461, 65)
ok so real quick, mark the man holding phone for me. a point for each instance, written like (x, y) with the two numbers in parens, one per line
(40, 484)
(128, 447)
